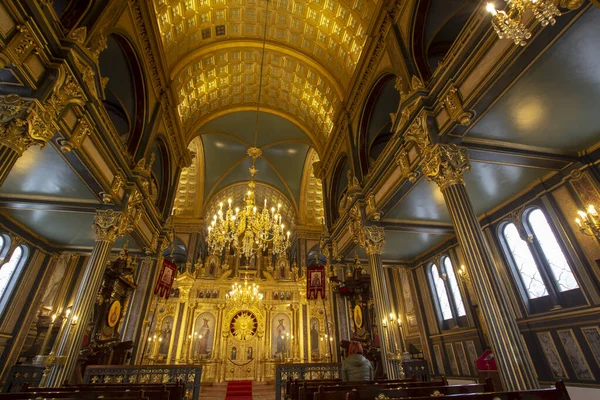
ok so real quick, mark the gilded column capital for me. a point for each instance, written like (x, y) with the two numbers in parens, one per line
(107, 224)
(372, 239)
(445, 164)
(18, 48)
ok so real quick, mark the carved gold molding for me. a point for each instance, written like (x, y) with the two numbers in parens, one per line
(445, 164)
(453, 104)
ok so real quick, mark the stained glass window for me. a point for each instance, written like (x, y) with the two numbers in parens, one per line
(460, 307)
(524, 262)
(442, 294)
(8, 268)
(561, 271)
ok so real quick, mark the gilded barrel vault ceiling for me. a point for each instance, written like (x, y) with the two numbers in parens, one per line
(226, 79)
(189, 189)
(331, 32)
(312, 209)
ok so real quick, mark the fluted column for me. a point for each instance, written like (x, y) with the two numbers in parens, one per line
(372, 239)
(107, 225)
(445, 165)
(22, 125)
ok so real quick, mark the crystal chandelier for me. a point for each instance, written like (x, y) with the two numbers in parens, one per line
(508, 24)
(243, 295)
(249, 230)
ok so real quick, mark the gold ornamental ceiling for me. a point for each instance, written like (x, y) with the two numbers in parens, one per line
(212, 48)
(230, 79)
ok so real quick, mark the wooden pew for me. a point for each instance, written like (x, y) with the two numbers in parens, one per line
(151, 391)
(307, 392)
(137, 395)
(373, 393)
(295, 385)
(559, 392)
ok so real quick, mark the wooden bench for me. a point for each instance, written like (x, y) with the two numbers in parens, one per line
(137, 395)
(373, 393)
(307, 392)
(294, 386)
(559, 392)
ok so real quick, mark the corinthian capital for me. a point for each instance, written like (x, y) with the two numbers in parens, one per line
(23, 124)
(107, 224)
(445, 164)
(372, 239)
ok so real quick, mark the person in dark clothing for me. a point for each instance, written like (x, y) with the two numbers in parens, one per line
(356, 367)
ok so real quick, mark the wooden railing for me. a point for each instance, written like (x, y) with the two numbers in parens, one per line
(283, 372)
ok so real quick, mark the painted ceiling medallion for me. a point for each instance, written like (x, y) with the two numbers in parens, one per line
(244, 325)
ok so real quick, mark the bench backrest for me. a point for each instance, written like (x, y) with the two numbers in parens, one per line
(307, 392)
(371, 393)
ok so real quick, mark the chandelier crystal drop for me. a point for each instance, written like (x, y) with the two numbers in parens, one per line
(509, 24)
(243, 295)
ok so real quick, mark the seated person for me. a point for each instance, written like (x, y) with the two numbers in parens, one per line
(356, 367)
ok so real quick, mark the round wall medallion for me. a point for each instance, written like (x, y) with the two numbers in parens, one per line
(114, 313)
(243, 325)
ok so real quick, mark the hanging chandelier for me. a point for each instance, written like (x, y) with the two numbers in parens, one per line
(243, 295)
(509, 24)
(249, 230)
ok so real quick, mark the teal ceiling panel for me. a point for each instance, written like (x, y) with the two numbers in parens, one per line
(424, 202)
(242, 124)
(555, 103)
(406, 246)
(45, 173)
(220, 154)
(288, 159)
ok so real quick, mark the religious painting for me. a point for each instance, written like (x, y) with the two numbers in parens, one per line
(314, 338)
(358, 316)
(552, 356)
(280, 335)
(164, 337)
(575, 355)
(315, 282)
(592, 336)
(55, 280)
(212, 265)
(114, 313)
(282, 268)
(203, 336)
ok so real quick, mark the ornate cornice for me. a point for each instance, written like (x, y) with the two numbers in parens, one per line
(445, 164)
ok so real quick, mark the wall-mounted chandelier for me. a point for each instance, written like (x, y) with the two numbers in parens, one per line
(509, 24)
(243, 295)
(249, 230)
(589, 222)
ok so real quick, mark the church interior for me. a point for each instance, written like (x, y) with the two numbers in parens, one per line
(233, 191)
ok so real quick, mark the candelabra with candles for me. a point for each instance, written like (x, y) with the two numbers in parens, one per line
(589, 222)
(399, 353)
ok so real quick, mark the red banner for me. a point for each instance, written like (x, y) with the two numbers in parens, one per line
(315, 281)
(165, 280)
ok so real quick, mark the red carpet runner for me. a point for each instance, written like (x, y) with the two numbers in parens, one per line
(239, 390)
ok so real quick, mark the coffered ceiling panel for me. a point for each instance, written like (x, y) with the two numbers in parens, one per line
(44, 173)
(230, 79)
(555, 103)
(330, 31)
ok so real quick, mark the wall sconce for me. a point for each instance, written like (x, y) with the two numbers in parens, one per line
(589, 222)
(463, 275)
(74, 320)
(384, 322)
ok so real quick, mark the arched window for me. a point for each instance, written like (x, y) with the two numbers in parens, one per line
(524, 262)
(8, 268)
(458, 301)
(543, 270)
(553, 254)
(441, 293)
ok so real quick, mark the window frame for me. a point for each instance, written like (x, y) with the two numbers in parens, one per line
(456, 320)
(6, 253)
(554, 299)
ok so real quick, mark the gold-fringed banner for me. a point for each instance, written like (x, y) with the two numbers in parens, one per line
(165, 280)
(315, 281)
